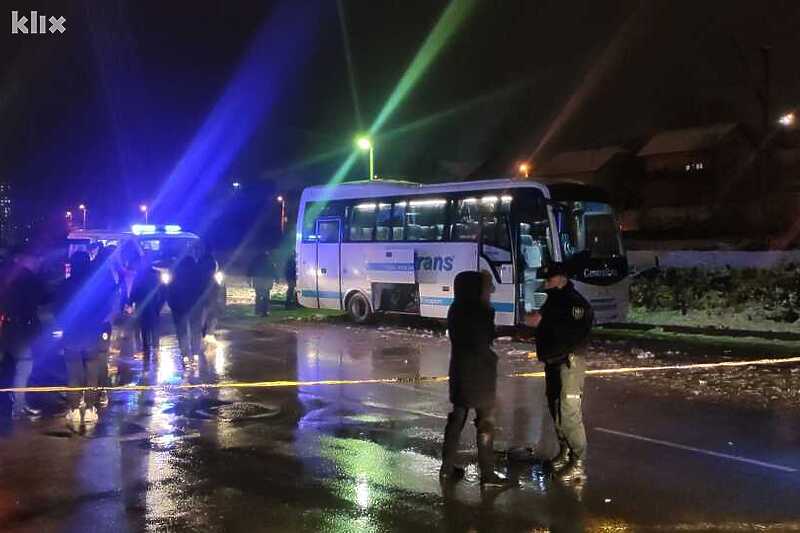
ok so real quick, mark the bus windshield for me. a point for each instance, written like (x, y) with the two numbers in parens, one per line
(588, 227)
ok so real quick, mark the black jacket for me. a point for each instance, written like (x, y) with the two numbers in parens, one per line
(21, 293)
(147, 293)
(473, 363)
(565, 327)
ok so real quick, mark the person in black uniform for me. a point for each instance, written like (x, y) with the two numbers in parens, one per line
(22, 292)
(291, 280)
(147, 299)
(473, 375)
(563, 327)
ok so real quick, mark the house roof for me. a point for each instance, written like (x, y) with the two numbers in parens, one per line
(578, 161)
(686, 140)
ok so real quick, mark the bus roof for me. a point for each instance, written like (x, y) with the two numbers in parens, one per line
(379, 188)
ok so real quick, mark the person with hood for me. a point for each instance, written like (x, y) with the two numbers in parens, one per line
(184, 298)
(563, 328)
(22, 292)
(147, 300)
(473, 375)
(262, 276)
(84, 314)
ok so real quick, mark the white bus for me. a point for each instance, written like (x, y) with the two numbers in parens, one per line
(395, 247)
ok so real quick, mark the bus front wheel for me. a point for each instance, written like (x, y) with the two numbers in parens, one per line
(359, 309)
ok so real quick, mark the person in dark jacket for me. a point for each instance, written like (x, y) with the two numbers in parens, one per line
(84, 313)
(563, 328)
(262, 276)
(184, 296)
(207, 268)
(473, 375)
(291, 280)
(147, 300)
(22, 292)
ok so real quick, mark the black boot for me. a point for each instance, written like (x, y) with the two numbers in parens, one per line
(574, 471)
(489, 477)
(561, 460)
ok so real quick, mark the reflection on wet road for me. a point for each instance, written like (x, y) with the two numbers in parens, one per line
(365, 457)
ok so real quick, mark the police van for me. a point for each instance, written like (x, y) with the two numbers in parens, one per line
(163, 246)
(390, 246)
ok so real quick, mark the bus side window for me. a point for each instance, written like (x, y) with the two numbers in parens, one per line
(383, 229)
(467, 225)
(362, 222)
(426, 220)
(398, 221)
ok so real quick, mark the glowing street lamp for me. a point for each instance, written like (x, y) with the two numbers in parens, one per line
(236, 185)
(524, 169)
(68, 216)
(364, 143)
(787, 120)
(282, 201)
(144, 210)
(83, 209)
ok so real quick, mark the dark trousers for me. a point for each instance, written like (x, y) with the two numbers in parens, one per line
(148, 329)
(83, 370)
(291, 297)
(189, 329)
(484, 423)
(262, 299)
(22, 358)
(564, 389)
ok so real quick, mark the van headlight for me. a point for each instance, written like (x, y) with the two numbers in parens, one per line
(166, 278)
(219, 277)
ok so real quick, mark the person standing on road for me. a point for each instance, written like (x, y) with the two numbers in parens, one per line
(563, 327)
(291, 280)
(184, 296)
(147, 300)
(473, 375)
(22, 291)
(207, 269)
(84, 313)
(262, 276)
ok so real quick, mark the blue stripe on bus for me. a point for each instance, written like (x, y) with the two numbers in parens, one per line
(500, 307)
(310, 293)
(391, 267)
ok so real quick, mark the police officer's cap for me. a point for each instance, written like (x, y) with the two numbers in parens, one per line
(554, 269)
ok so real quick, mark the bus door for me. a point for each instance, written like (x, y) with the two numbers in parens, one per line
(495, 252)
(533, 250)
(329, 279)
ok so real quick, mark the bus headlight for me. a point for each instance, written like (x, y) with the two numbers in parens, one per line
(166, 278)
(219, 277)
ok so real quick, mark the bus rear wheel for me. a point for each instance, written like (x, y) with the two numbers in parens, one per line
(359, 309)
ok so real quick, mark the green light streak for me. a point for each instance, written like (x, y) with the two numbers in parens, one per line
(452, 18)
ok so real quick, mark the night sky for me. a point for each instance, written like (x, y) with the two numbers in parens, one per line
(106, 112)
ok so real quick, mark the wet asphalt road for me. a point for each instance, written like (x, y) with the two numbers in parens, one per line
(364, 457)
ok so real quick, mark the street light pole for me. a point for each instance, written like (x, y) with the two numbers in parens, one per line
(364, 143)
(282, 200)
(83, 209)
(143, 209)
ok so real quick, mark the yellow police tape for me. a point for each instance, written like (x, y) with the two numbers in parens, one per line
(395, 380)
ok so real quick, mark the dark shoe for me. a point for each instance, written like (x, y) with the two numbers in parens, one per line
(561, 460)
(451, 473)
(496, 480)
(574, 471)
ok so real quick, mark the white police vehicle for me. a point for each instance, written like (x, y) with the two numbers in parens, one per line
(395, 246)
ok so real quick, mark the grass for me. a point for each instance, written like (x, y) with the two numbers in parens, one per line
(279, 314)
(718, 341)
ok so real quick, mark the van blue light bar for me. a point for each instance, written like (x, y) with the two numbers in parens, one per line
(143, 229)
(172, 228)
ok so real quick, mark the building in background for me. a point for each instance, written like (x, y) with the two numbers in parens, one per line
(5, 213)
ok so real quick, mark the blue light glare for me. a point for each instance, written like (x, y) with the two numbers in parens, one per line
(277, 55)
(143, 229)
